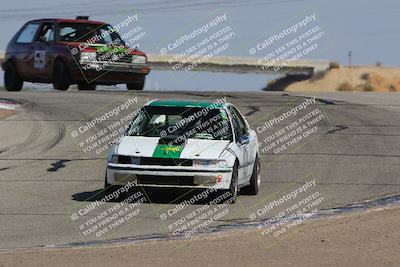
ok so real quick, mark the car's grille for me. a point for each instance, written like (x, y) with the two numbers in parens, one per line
(124, 159)
(166, 162)
(166, 180)
(156, 161)
(118, 57)
(126, 59)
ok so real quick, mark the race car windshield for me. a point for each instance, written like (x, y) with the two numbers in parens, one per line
(186, 122)
(91, 33)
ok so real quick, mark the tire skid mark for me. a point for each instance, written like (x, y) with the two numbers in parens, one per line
(29, 142)
(53, 136)
(253, 110)
(60, 134)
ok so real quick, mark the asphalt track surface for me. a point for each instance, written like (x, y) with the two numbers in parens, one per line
(44, 177)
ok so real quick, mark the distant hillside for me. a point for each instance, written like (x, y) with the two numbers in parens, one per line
(363, 79)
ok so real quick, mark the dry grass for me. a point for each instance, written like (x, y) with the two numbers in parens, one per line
(334, 65)
(345, 87)
(362, 79)
(368, 87)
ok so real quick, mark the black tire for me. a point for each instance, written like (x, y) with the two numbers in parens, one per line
(61, 78)
(255, 180)
(137, 86)
(12, 81)
(86, 86)
(233, 187)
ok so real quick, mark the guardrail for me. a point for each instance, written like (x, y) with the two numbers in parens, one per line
(231, 64)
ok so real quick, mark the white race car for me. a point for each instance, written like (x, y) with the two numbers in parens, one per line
(187, 144)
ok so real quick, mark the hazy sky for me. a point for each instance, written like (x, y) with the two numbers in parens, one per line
(368, 28)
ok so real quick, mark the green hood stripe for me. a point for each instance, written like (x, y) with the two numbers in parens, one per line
(101, 48)
(167, 151)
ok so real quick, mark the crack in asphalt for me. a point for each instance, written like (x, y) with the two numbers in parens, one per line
(57, 165)
(51, 159)
(338, 128)
(253, 110)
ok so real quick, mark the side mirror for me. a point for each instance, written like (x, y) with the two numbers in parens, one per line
(244, 139)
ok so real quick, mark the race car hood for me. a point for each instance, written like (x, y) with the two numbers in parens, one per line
(140, 146)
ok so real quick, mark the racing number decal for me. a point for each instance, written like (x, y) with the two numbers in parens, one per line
(40, 59)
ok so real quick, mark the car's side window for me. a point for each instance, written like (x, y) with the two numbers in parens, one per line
(107, 39)
(238, 123)
(28, 33)
(46, 33)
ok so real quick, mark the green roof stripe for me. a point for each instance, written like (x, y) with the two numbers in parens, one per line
(184, 103)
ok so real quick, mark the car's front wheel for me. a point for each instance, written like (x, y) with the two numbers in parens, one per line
(233, 187)
(255, 180)
(84, 86)
(137, 86)
(61, 79)
(12, 81)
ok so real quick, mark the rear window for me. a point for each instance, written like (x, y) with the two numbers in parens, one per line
(28, 33)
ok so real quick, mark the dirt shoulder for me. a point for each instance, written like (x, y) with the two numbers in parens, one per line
(368, 238)
(4, 113)
(7, 107)
(362, 79)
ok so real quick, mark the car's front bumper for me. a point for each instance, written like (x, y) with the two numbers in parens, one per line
(109, 72)
(169, 176)
(106, 66)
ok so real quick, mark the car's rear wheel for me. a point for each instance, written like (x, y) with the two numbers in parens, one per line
(84, 86)
(12, 80)
(61, 79)
(137, 86)
(255, 180)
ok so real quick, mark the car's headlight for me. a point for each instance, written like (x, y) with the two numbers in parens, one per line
(122, 159)
(113, 159)
(88, 56)
(138, 59)
(210, 163)
(112, 154)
